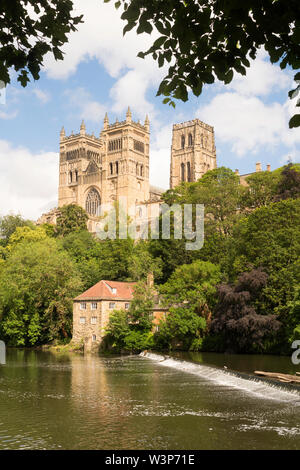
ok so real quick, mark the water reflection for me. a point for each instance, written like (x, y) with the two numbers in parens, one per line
(52, 401)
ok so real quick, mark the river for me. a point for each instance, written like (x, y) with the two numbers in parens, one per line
(51, 401)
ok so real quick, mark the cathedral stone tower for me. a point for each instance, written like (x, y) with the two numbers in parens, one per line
(193, 151)
(94, 172)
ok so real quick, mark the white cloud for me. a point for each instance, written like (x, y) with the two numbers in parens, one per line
(246, 122)
(246, 117)
(262, 78)
(41, 95)
(160, 167)
(131, 90)
(9, 115)
(88, 108)
(28, 182)
(100, 37)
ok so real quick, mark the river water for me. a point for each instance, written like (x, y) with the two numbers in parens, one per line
(50, 401)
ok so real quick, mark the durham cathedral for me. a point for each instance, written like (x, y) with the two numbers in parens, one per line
(94, 172)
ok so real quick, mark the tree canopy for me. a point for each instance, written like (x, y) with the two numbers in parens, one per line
(29, 29)
(71, 218)
(202, 40)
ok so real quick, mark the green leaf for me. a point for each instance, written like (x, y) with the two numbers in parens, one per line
(228, 77)
(294, 121)
(159, 42)
(128, 27)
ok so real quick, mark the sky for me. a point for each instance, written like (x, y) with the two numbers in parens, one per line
(102, 73)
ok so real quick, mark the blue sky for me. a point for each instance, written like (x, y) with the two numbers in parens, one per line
(101, 72)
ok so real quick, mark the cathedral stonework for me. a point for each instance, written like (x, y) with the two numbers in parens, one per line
(96, 171)
(193, 151)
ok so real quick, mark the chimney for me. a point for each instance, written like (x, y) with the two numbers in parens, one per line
(268, 167)
(150, 280)
(258, 166)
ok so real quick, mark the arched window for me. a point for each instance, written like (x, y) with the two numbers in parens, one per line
(76, 175)
(111, 168)
(137, 168)
(142, 170)
(70, 176)
(182, 172)
(92, 204)
(182, 141)
(190, 140)
(189, 176)
(117, 167)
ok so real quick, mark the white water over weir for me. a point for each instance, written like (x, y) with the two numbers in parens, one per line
(250, 384)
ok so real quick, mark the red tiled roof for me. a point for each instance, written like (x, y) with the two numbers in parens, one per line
(103, 290)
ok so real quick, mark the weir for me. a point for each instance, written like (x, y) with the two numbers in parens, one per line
(250, 384)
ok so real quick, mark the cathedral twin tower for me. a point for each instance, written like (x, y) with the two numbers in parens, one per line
(97, 171)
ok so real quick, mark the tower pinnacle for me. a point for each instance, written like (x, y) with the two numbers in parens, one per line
(62, 133)
(128, 115)
(106, 121)
(82, 128)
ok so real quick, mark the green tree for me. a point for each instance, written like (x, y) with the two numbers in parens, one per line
(261, 189)
(203, 40)
(269, 238)
(72, 218)
(37, 284)
(117, 329)
(130, 330)
(190, 292)
(8, 225)
(140, 310)
(221, 194)
(141, 262)
(30, 29)
(26, 234)
(289, 182)
(294, 317)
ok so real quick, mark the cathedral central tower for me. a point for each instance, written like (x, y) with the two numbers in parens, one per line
(193, 151)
